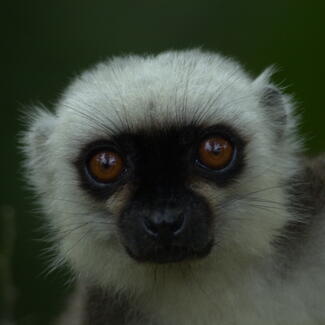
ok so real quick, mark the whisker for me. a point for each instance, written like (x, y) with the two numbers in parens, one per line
(110, 121)
(96, 121)
(66, 233)
(61, 260)
(211, 102)
(265, 207)
(184, 103)
(124, 122)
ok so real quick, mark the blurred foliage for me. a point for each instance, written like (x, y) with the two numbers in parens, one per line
(46, 43)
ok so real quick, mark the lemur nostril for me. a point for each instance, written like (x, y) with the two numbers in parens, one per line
(165, 226)
(150, 227)
(177, 225)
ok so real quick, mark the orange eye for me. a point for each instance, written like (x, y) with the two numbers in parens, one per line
(216, 152)
(105, 166)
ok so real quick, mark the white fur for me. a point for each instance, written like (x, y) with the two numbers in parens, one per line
(237, 283)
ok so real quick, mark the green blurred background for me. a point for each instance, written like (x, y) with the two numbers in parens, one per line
(46, 43)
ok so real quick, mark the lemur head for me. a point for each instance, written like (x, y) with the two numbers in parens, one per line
(177, 159)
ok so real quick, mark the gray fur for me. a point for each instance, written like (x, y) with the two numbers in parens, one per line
(268, 264)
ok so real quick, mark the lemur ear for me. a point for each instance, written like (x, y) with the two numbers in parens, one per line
(276, 105)
(35, 143)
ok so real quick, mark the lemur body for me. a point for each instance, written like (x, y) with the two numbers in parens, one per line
(176, 190)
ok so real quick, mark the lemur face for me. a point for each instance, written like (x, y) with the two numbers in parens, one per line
(163, 219)
(166, 159)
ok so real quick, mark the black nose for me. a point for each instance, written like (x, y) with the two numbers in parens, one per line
(164, 225)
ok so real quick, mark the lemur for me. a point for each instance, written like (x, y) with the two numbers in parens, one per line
(176, 189)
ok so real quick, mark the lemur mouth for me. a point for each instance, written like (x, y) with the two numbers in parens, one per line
(161, 230)
(170, 253)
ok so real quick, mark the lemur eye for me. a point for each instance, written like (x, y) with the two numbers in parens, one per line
(215, 152)
(105, 166)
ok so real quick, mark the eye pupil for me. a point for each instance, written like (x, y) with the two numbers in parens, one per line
(215, 152)
(105, 166)
(214, 147)
(105, 160)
